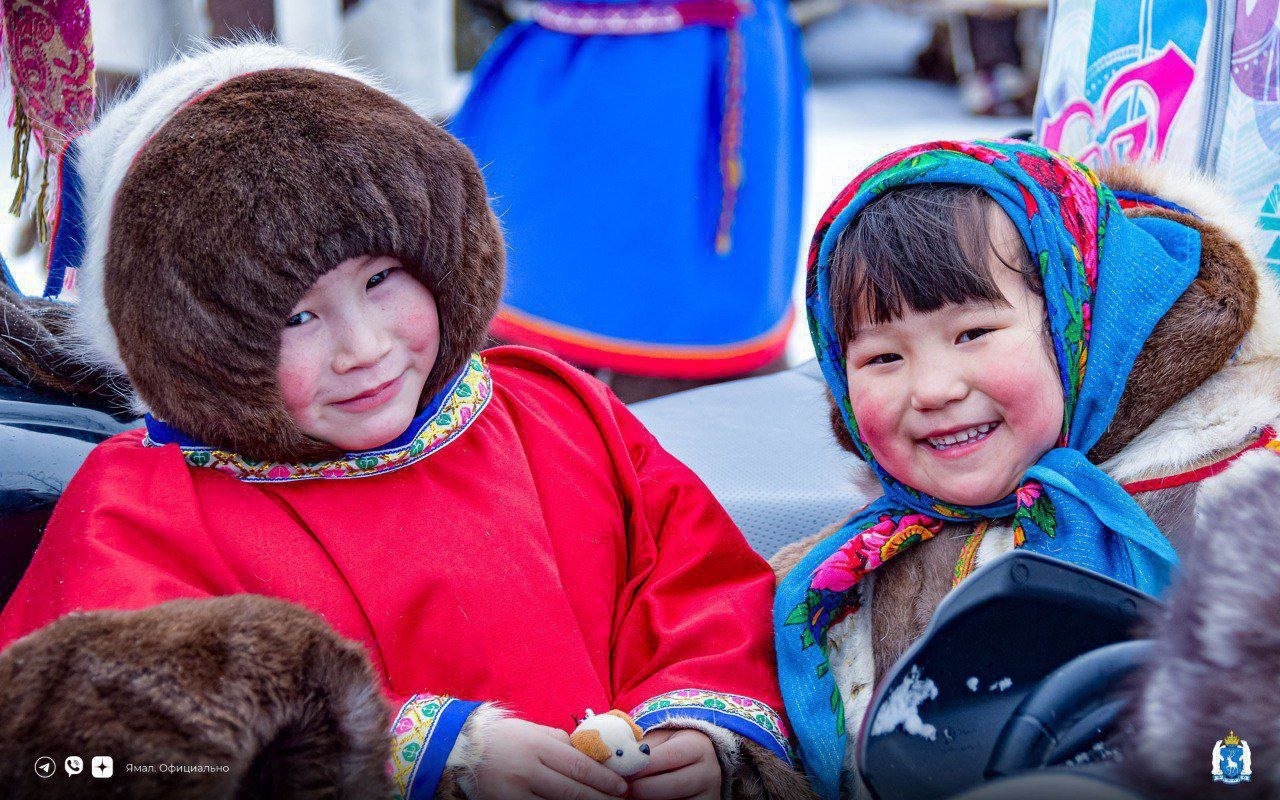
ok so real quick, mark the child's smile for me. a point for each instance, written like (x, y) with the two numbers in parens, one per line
(957, 443)
(357, 352)
(959, 402)
(372, 398)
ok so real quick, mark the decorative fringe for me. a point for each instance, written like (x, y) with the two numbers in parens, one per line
(21, 147)
(969, 553)
(42, 203)
(730, 141)
(20, 170)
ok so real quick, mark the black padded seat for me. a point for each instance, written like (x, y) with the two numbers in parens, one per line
(764, 448)
(43, 441)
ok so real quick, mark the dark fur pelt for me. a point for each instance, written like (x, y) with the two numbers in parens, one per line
(258, 685)
(35, 354)
(761, 775)
(1216, 664)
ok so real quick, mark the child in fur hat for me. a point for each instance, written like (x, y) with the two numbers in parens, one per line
(296, 272)
(1023, 355)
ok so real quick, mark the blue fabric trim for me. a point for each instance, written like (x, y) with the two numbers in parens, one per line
(439, 745)
(729, 722)
(1139, 197)
(163, 433)
(67, 250)
(7, 276)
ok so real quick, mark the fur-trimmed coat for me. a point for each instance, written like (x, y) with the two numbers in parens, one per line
(1188, 421)
(551, 558)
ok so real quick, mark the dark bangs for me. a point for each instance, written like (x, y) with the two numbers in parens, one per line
(918, 247)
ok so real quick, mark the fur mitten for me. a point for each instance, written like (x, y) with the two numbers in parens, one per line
(761, 775)
(232, 697)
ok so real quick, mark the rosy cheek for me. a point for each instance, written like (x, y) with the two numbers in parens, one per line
(421, 329)
(876, 422)
(1031, 395)
(299, 375)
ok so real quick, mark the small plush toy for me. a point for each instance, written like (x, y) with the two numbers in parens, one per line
(612, 739)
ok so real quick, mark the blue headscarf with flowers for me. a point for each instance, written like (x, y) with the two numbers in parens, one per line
(1108, 280)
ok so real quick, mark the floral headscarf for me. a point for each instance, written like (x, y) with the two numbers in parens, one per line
(1107, 281)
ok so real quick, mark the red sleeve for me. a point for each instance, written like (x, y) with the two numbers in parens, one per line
(694, 638)
(126, 534)
(693, 635)
(692, 628)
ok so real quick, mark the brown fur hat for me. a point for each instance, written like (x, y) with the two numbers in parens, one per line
(260, 687)
(1198, 335)
(259, 176)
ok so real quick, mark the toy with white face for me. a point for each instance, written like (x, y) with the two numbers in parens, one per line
(614, 740)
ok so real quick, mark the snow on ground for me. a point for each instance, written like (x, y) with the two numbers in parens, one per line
(861, 105)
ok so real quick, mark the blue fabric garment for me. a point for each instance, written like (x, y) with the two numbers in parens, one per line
(66, 251)
(1066, 506)
(7, 277)
(601, 156)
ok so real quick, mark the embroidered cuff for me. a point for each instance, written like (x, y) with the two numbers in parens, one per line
(422, 737)
(748, 718)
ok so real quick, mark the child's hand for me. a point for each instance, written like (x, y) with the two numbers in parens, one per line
(523, 759)
(682, 764)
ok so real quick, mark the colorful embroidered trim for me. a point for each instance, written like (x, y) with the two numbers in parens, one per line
(731, 140)
(1267, 439)
(1138, 200)
(468, 397)
(49, 48)
(634, 19)
(66, 250)
(969, 553)
(421, 739)
(742, 715)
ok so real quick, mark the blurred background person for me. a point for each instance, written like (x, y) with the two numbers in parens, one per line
(646, 161)
(863, 100)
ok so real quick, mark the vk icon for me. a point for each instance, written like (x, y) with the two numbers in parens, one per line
(103, 766)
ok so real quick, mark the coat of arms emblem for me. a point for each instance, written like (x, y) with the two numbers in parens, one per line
(1232, 762)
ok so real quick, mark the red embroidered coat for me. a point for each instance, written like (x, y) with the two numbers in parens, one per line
(551, 557)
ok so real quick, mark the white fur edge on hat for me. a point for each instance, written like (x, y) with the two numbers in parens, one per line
(108, 149)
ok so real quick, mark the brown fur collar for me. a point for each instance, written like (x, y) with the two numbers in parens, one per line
(256, 684)
(1194, 340)
(246, 196)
